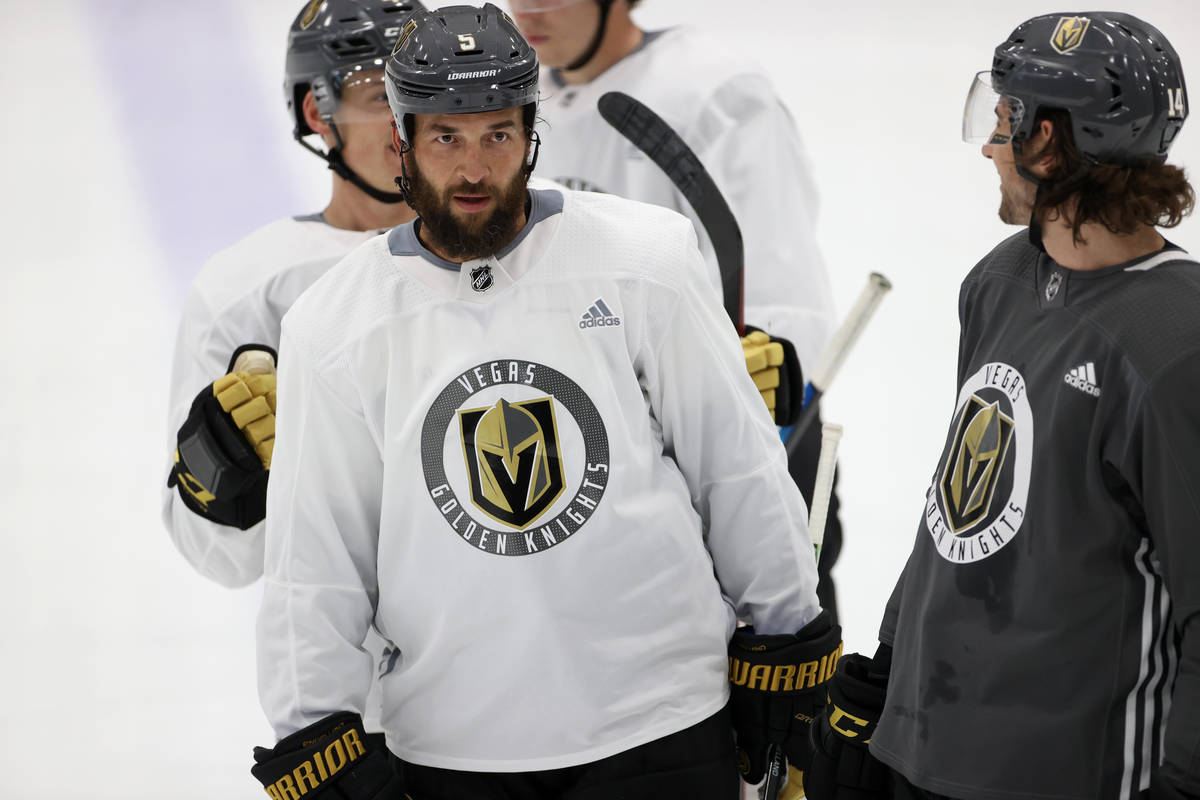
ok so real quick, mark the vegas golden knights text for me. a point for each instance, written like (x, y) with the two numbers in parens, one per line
(322, 766)
(783, 677)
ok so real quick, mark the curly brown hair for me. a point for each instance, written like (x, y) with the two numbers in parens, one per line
(1121, 197)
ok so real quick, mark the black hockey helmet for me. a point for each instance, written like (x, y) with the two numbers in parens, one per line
(1118, 78)
(330, 42)
(458, 60)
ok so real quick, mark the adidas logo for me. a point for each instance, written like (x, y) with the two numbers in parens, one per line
(1083, 378)
(599, 316)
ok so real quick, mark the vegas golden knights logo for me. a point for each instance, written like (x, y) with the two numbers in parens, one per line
(310, 14)
(511, 450)
(1069, 33)
(975, 463)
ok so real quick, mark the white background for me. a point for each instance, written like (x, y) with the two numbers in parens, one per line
(141, 136)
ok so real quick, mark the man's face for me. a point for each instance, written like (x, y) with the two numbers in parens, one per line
(1016, 193)
(364, 122)
(560, 31)
(468, 180)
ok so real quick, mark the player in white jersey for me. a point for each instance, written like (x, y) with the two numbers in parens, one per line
(334, 90)
(724, 106)
(519, 440)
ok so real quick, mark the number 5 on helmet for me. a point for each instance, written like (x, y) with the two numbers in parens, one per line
(223, 456)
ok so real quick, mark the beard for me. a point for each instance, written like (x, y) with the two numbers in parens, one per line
(1016, 200)
(477, 236)
(1012, 211)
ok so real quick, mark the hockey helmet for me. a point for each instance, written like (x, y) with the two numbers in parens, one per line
(331, 40)
(459, 60)
(1118, 77)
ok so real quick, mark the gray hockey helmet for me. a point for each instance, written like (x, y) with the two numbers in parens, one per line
(330, 40)
(1118, 77)
(460, 60)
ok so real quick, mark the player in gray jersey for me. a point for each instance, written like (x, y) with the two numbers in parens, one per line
(1043, 640)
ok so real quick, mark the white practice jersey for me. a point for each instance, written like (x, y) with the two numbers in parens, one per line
(239, 297)
(547, 480)
(726, 110)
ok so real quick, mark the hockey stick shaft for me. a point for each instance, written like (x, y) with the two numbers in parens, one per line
(831, 435)
(652, 135)
(835, 355)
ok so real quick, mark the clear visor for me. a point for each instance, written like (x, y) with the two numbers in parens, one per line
(363, 96)
(539, 6)
(989, 116)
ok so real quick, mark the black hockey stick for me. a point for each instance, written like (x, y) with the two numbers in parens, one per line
(654, 137)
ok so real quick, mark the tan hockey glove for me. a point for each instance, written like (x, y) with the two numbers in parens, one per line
(224, 446)
(249, 400)
(773, 366)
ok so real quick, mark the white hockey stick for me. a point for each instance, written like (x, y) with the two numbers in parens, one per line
(831, 361)
(831, 435)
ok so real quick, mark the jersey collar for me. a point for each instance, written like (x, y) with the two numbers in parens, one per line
(543, 204)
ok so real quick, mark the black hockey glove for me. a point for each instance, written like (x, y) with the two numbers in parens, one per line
(334, 756)
(842, 766)
(775, 368)
(777, 688)
(224, 449)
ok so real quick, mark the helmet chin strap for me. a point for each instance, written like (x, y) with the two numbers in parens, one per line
(404, 183)
(597, 39)
(1043, 185)
(338, 164)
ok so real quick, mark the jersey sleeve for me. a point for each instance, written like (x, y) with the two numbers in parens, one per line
(203, 347)
(717, 429)
(1166, 470)
(320, 589)
(749, 143)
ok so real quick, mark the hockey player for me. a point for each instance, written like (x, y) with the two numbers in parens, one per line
(1042, 640)
(214, 504)
(733, 120)
(518, 438)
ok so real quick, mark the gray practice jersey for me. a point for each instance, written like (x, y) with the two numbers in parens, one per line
(1044, 626)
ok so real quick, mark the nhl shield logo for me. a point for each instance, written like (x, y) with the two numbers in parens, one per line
(1052, 286)
(481, 278)
(1068, 34)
